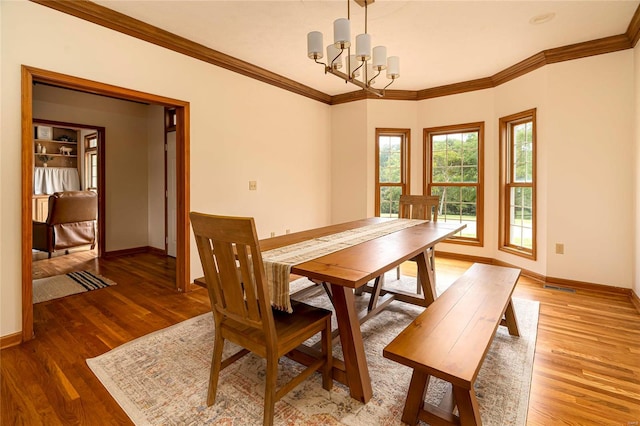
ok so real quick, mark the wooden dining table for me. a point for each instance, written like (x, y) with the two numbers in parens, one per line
(352, 268)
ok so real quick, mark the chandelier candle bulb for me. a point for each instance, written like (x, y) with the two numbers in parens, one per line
(342, 33)
(379, 58)
(363, 47)
(314, 45)
(393, 67)
(333, 57)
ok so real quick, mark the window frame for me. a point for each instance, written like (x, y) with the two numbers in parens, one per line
(405, 171)
(506, 125)
(88, 153)
(427, 134)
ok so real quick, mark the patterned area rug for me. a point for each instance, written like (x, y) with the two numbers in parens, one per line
(64, 285)
(162, 378)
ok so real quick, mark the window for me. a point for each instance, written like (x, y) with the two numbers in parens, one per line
(518, 184)
(91, 162)
(453, 166)
(170, 119)
(392, 169)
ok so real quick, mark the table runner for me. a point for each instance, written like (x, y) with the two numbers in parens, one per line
(278, 262)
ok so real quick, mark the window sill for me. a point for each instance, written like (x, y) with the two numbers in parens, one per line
(531, 255)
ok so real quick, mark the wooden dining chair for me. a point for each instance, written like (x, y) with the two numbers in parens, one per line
(242, 309)
(423, 207)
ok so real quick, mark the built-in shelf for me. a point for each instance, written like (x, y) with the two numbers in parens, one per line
(55, 138)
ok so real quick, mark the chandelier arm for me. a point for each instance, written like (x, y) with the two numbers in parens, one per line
(334, 59)
(356, 70)
(392, 80)
(358, 83)
(373, 78)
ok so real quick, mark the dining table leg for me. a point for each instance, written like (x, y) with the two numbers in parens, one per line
(426, 277)
(355, 361)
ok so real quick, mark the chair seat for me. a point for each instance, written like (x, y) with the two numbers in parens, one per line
(305, 322)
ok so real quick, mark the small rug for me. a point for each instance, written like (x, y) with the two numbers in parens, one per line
(162, 378)
(64, 285)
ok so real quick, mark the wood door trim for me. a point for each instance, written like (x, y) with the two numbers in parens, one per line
(31, 74)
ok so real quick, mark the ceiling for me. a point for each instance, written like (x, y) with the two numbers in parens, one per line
(438, 42)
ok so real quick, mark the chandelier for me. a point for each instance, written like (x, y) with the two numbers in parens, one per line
(363, 62)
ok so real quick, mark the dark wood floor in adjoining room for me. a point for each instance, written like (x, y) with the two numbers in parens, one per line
(586, 369)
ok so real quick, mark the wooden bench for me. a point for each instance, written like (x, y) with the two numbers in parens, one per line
(450, 339)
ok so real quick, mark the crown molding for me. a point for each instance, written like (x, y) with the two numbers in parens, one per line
(116, 21)
(455, 88)
(389, 95)
(588, 48)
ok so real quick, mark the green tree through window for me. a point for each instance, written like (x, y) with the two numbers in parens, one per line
(453, 161)
(392, 151)
(518, 184)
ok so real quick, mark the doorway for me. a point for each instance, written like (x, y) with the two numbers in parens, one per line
(88, 166)
(32, 75)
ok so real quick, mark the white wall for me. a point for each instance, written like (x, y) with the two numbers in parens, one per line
(349, 150)
(590, 147)
(126, 145)
(241, 130)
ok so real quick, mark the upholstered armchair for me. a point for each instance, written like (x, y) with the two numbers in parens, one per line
(70, 223)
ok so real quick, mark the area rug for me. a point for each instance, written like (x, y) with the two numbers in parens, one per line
(162, 378)
(64, 285)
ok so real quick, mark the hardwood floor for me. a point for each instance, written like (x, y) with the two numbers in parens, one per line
(587, 361)
(60, 263)
(586, 368)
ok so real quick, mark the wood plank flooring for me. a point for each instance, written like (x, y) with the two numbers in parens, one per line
(586, 368)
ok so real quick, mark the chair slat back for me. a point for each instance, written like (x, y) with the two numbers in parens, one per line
(423, 207)
(233, 269)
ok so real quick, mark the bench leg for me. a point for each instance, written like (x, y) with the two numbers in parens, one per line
(468, 409)
(415, 397)
(512, 321)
